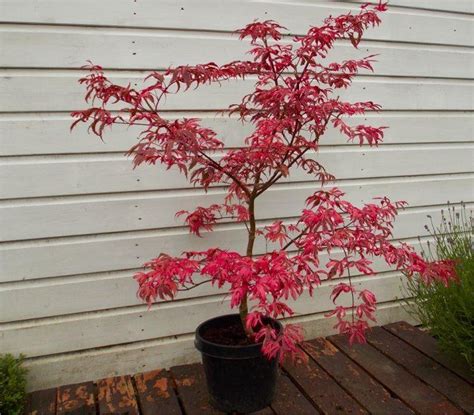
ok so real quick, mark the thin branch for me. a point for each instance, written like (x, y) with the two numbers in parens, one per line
(272, 63)
(352, 292)
(131, 124)
(224, 171)
(293, 240)
(194, 286)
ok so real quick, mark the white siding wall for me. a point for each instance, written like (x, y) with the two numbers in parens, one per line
(76, 221)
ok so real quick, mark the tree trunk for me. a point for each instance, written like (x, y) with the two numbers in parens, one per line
(243, 308)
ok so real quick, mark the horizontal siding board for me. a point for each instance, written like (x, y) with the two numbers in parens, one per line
(66, 256)
(49, 133)
(457, 6)
(108, 328)
(26, 91)
(66, 217)
(49, 298)
(120, 326)
(60, 296)
(399, 24)
(102, 174)
(26, 47)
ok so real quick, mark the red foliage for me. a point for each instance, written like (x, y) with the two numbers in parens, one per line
(294, 101)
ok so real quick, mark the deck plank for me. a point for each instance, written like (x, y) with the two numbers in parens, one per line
(76, 399)
(117, 396)
(431, 372)
(363, 387)
(41, 402)
(155, 394)
(399, 371)
(191, 384)
(425, 343)
(419, 396)
(328, 396)
(289, 400)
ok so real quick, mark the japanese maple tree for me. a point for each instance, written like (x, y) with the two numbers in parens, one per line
(294, 101)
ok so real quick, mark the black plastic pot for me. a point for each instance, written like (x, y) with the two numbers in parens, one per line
(239, 378)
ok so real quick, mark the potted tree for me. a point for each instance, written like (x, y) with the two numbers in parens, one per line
(294, 101)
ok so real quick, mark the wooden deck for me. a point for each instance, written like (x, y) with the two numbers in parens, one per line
(399, 371)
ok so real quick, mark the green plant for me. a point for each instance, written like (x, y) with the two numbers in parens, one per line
(448, 311)
(12, 384)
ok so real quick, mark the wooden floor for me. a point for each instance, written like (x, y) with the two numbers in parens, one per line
(399, 371)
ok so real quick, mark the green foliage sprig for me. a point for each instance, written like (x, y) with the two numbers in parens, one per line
(449, 311)
(12, 384)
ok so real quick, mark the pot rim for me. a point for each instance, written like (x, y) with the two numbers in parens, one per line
(228, 351)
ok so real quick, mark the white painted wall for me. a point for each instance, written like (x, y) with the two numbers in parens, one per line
(76, 221)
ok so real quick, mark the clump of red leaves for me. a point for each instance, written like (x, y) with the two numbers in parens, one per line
(294, 101)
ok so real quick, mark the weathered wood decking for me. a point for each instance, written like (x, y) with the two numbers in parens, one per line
(399, 371)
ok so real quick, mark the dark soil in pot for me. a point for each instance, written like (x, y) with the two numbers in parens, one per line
(239, 378)
(227, 333)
